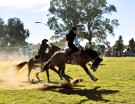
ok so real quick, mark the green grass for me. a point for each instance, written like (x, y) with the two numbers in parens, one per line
(116, 85)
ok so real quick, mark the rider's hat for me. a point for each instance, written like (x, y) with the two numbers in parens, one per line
(74, 28)
(44, 40)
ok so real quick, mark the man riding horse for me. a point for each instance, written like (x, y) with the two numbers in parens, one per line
(42, 50)
(60, 58)
(71, 36)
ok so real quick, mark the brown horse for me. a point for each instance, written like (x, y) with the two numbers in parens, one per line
(60, 59)
(33, 62)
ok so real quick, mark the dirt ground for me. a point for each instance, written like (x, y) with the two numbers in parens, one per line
(11, 80)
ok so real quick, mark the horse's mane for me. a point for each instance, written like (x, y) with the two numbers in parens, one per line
(91, 51)
(51, 45)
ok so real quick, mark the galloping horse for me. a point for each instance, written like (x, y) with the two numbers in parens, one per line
(60, 59)
(32, 63)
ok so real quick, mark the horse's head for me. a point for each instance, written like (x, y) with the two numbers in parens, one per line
(94, 56)
(96, 62)
(53, 49)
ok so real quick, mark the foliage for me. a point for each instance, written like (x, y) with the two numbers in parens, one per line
(36, 48)
(61, 43)
(16, 32)
(132, 44)
(87, 15)
(115, 85)
(13, 34)
(119, 46)
(3, 33)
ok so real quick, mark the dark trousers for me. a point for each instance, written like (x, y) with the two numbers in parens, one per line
(73, 47)
(41, 56)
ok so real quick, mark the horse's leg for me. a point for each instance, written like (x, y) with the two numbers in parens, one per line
(62, 73)
(29, 71)
(31, 64)
(89, 73)
(66, 77)
(47, 73)
(38, 70)
(61, 70)
(53, 68)
(37, 73)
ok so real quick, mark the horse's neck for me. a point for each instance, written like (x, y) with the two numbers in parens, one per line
(50, 53)
(48, 56)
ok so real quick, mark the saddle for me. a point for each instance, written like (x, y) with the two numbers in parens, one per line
(67, 50)
(72, 56)
(37, 57)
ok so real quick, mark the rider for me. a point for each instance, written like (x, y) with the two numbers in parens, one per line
(42, 50)
(71, 36)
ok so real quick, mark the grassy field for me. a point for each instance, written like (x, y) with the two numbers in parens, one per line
(116, 85)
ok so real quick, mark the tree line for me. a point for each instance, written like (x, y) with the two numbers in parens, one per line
(89, 16)
(13, 33)
(119, 45)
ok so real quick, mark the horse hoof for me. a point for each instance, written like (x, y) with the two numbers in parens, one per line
(95, 79)
(39, 81)
(81, 80)
(31, 80)
(49, 81)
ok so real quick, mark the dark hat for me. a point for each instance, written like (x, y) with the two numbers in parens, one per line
(74, 28)
(44, 40)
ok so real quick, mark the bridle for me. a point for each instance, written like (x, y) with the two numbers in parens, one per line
(91, 59)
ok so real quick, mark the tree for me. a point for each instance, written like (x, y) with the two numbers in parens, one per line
(17, 35)
(107, 43)
(60, 43)
(119, 46)
(132, 44)
(87, 15)
(3, 34)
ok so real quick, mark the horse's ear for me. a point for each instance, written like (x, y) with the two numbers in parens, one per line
(51, 44)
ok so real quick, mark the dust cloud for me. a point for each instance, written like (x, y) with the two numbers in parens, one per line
(12, 80)
(9, 78)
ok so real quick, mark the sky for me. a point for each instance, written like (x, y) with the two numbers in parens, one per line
(31, 11)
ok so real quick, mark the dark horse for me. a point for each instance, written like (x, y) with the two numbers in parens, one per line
(60, 59)
(33, 63)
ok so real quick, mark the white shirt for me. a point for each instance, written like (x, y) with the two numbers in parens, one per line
(65, 33)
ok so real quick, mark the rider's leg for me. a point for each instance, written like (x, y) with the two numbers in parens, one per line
(73, 47)
(41, 56)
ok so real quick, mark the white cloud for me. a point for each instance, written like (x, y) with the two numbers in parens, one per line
(21, 4)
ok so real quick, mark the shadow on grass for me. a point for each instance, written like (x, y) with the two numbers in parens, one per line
(100, 64)
(92, 94)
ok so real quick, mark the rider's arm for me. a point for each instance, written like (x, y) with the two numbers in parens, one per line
(76, 41)
(48, 46)
(63, 32)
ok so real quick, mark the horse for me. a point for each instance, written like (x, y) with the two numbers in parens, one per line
(33, 62)
(60, 59)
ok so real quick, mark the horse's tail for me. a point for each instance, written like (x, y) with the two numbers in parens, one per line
(47, 65)
(19, 66)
